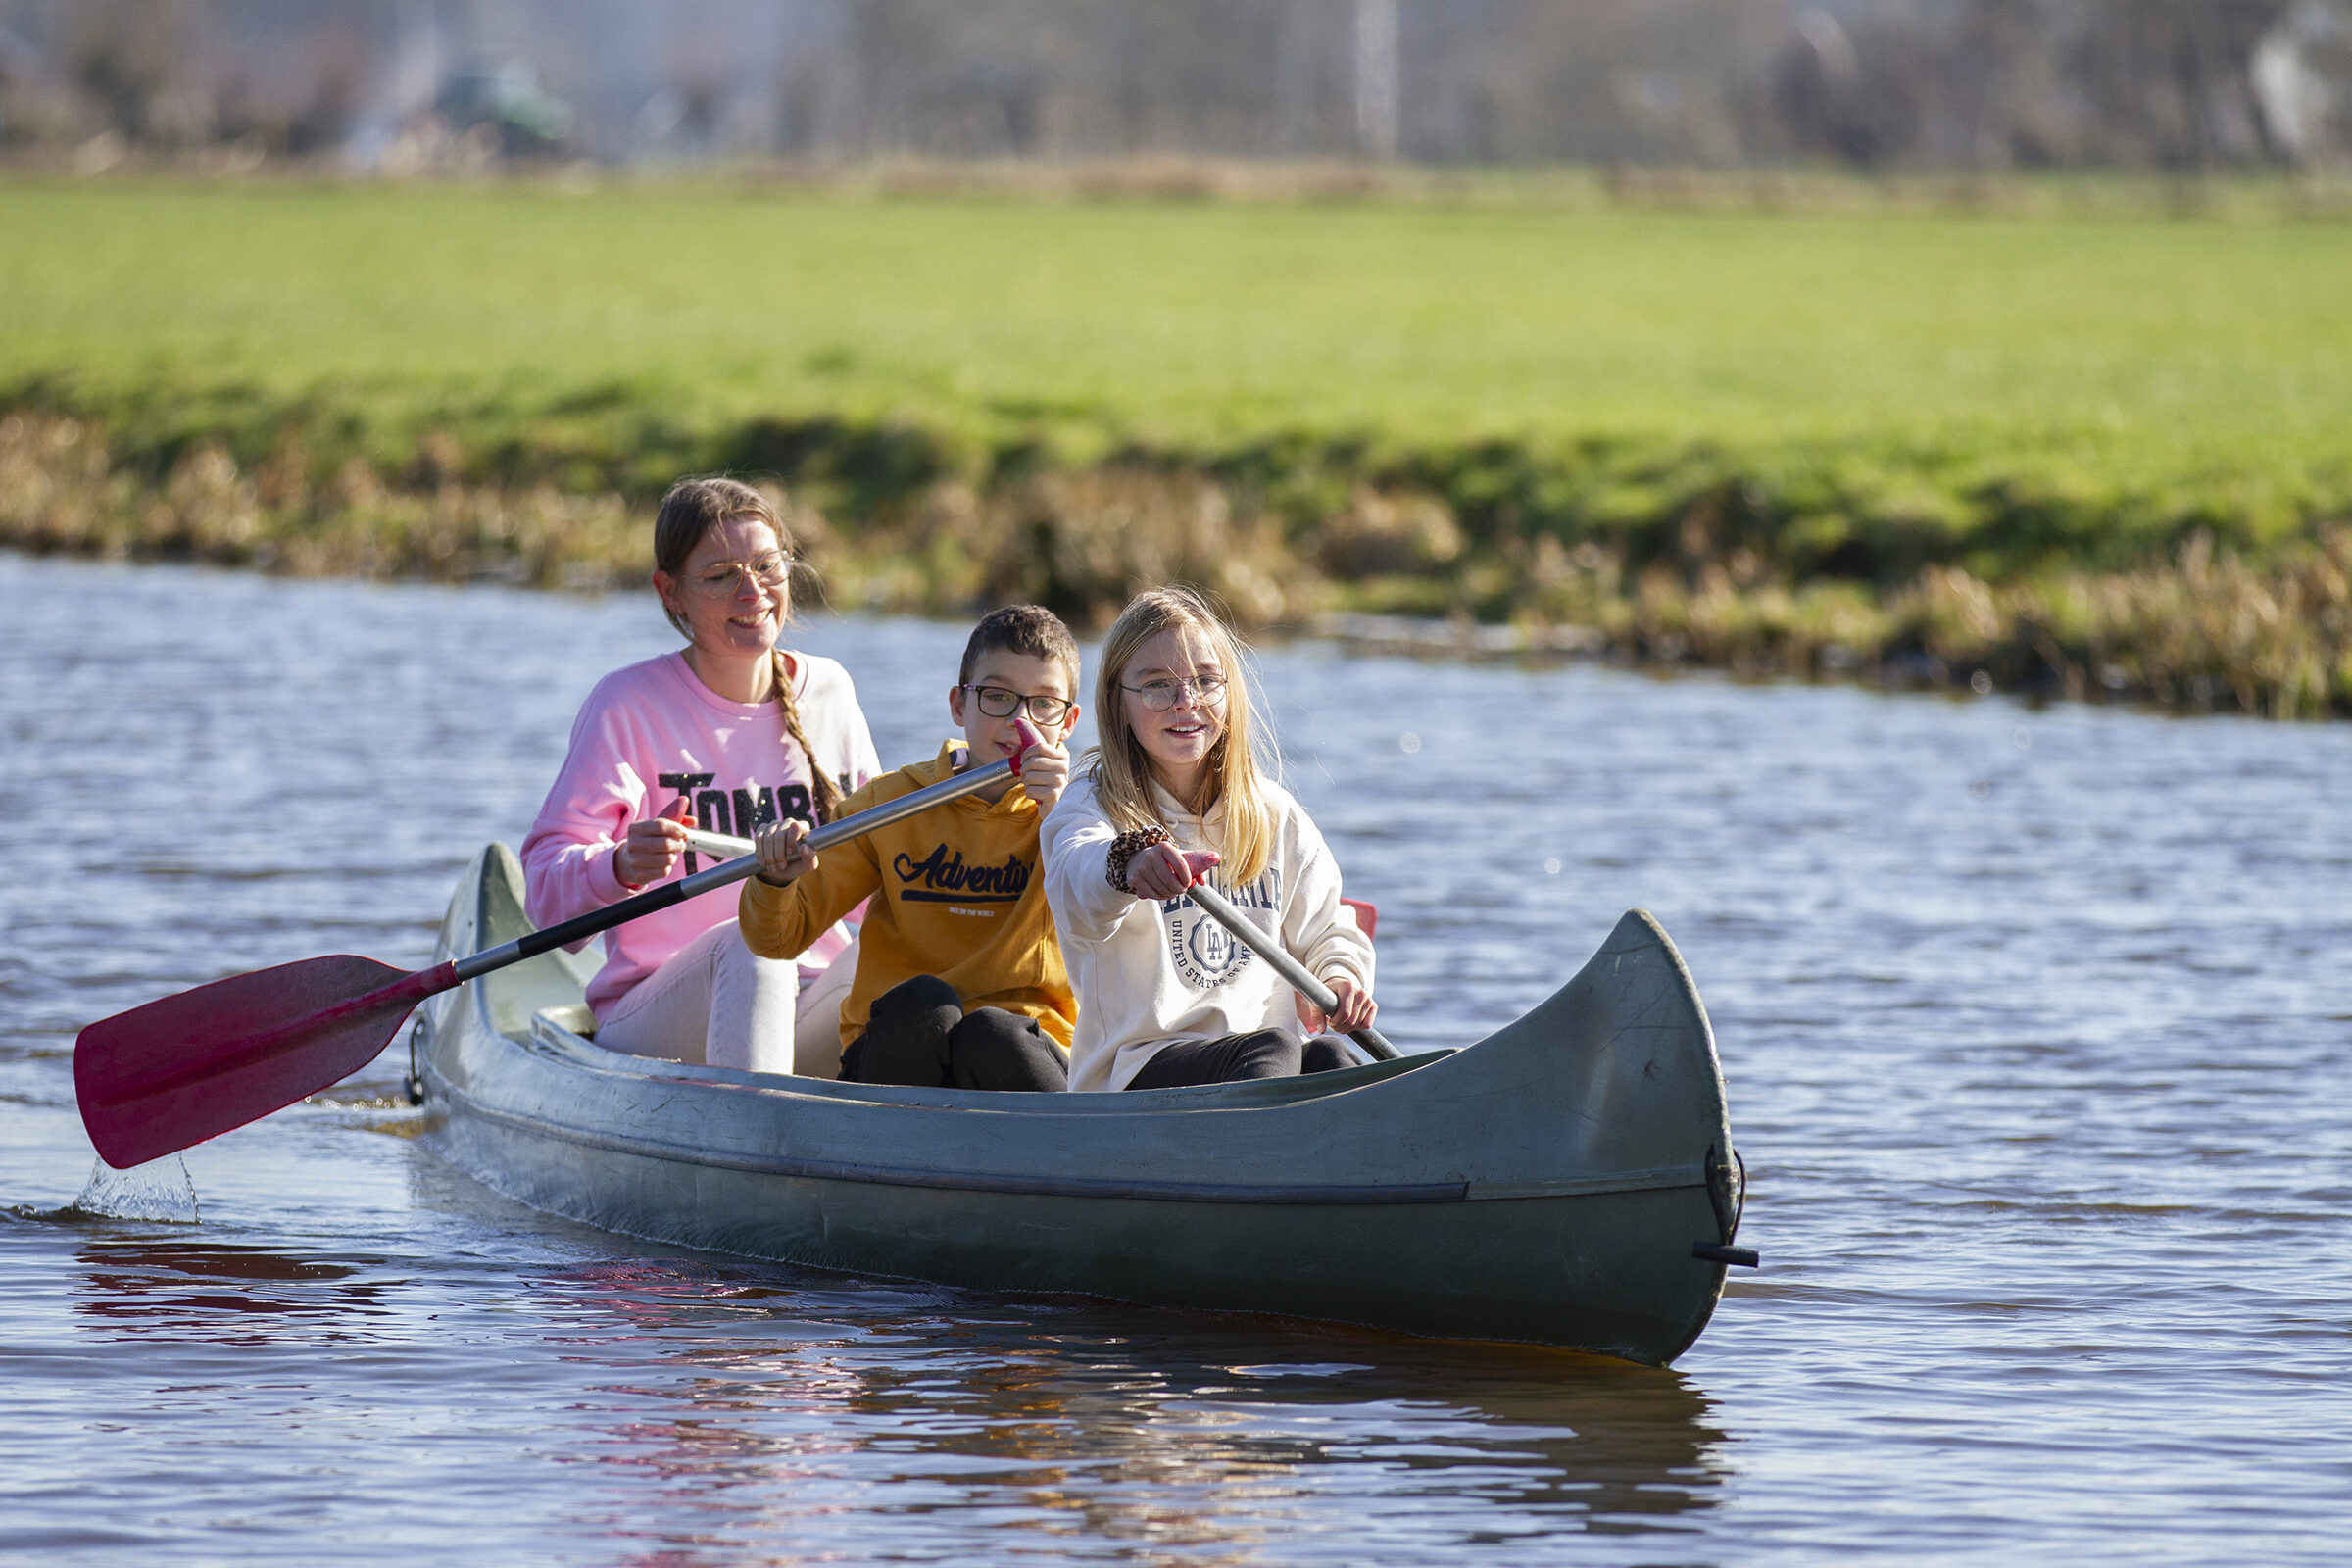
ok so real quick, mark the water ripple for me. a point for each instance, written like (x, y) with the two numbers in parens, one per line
(2034, 1024)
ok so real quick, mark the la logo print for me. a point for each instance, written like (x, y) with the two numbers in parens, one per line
(1204, 951)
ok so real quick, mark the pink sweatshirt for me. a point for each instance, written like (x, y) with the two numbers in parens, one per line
(649, 734)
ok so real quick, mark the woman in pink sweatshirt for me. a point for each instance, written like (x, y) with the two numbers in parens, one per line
(732, 733)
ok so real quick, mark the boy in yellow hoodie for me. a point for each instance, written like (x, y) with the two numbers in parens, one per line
(961, 982)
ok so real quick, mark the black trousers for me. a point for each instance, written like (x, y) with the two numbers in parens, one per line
(920, 1037)
(1229, 1058)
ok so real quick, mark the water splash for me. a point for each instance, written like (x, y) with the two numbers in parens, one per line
(160, 1191)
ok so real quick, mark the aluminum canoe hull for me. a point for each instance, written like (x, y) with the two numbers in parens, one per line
(1545, 1185)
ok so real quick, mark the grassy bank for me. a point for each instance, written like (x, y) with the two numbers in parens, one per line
(2092, 452)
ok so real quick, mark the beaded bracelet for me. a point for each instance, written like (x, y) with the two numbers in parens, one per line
(1126, 847)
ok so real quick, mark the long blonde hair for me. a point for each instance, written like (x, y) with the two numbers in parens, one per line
(1121, 771)
(692, 509)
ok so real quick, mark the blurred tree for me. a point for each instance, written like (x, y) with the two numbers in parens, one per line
(1874, 84)
(123, 56)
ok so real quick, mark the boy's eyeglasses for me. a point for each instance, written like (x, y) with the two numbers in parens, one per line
(726, 577)
(1162, 695)
(997, 703)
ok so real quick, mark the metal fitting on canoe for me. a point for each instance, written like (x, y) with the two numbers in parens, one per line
(414, 1083)
(1727, 1191)
(1729, 1257)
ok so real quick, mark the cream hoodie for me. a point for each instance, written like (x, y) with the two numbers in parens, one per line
(1148, 973)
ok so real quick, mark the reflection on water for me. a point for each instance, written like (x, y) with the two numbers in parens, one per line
(1131, 1423)
(758, 1403)
(2035, 1027)
(764, 1403)
(181, 1289)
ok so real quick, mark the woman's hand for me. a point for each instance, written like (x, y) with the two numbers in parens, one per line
(1045, 772)
(651, 849)
(1356, 1009)
(784, 853)
(1162, 871)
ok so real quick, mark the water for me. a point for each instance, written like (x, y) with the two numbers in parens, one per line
(2036, 1024)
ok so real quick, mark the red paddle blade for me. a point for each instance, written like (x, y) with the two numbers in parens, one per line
(156, 1079)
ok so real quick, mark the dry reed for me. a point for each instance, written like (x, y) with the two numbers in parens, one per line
(2200, 628)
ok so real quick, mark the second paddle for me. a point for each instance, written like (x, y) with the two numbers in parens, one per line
(1250, 936)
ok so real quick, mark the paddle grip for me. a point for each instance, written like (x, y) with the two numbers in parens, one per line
(1290, 969)
(580, 927)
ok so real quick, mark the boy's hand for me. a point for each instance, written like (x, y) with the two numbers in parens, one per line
(784, 853)
(1162, 871)
(1045, 772)
(651, 851)
(1355, 1010)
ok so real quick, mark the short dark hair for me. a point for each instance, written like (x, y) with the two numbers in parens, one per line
(1030, 629)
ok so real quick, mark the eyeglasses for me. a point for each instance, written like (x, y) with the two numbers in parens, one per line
(997, 703)
(727, 576)
(1162, 695)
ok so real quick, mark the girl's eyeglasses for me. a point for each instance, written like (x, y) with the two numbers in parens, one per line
(1162, 695)
(997, 703)
(726, 577)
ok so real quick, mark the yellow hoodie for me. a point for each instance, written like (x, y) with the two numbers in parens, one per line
(960, 897)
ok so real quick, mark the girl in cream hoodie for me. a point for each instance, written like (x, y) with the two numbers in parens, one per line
(1174, 795)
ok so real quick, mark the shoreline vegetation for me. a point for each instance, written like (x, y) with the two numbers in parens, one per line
(2141, 492)
(1702, 580)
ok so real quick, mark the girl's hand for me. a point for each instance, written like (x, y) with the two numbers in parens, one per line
(1356, 1009)
(1162, 871)
(651, 849)
(1045, 772)
(784, 853)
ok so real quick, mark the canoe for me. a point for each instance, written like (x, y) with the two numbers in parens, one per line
(1569, 1180)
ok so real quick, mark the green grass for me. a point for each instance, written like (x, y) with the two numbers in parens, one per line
(2138, 351)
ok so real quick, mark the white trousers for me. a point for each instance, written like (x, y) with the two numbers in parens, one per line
(817, 1046)
(717, 1002)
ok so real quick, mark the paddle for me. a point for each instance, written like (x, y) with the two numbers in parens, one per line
(1297, 974)
(718, 845)
(1215, 902)
(159, 1078)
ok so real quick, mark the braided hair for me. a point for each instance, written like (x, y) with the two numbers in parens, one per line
(828, 789)
(691, 509)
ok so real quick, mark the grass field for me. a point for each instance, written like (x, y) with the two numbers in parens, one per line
(1848, 398)
(2138, 346)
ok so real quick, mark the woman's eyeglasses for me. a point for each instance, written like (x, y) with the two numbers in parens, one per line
(997, 703)
(726, 576)
(1162, 695)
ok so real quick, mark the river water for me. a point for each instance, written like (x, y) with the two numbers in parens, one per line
(2036, 1025)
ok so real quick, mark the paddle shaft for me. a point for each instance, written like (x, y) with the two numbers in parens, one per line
(724, 846)
(1265, 947)
(407, 990)
(190, 1066)
(581, 927)
(1216, 903)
